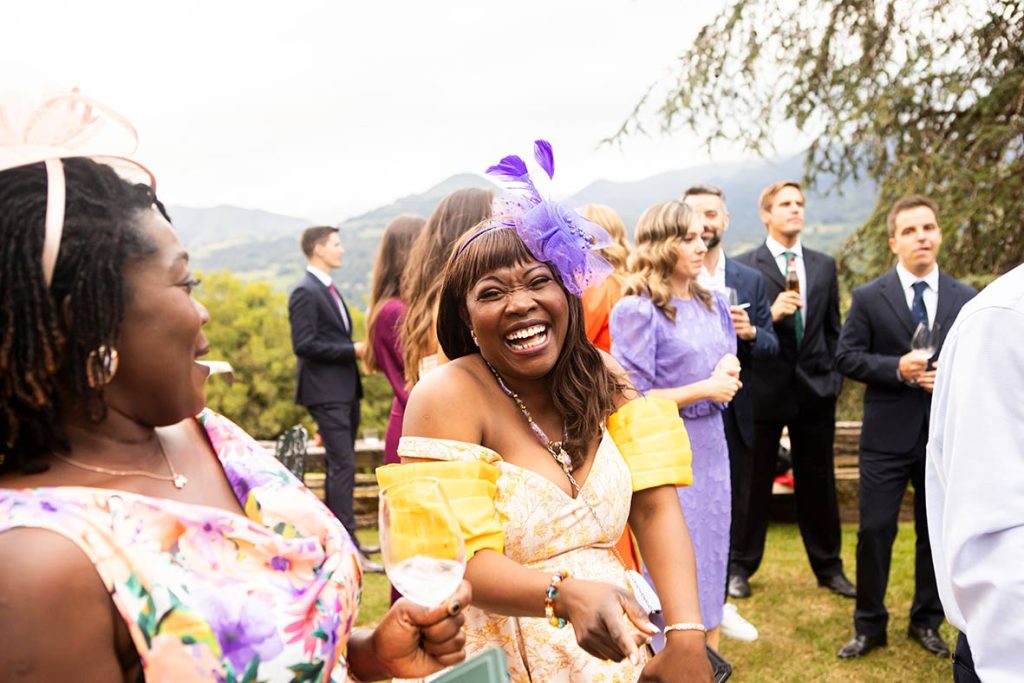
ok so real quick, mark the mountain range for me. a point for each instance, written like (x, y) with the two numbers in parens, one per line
(256, 244)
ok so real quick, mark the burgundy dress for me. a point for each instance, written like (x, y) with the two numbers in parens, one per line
(387, 349)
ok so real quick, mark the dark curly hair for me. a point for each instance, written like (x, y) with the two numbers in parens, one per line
(47, 334)
(583, 389)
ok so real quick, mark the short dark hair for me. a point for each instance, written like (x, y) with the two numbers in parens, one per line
(704, 188)
(314, 236)
(911, 201)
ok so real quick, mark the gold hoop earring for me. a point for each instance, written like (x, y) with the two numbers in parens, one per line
(101, 366)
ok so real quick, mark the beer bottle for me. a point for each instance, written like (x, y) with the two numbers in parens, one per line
(792, 279)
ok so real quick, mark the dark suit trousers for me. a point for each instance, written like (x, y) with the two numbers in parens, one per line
(741, 470)
(811, 434)
(338, 423)
(883, 481)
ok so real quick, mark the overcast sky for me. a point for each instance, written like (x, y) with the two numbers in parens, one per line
(323, 109)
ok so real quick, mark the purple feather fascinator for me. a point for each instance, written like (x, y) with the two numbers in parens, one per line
(553, 233)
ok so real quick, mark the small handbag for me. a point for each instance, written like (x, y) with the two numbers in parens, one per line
(642, 590)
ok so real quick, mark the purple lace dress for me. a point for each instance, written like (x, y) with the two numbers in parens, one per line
(660, 354)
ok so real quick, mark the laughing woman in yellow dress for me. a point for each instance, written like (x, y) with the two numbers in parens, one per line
(533, 435)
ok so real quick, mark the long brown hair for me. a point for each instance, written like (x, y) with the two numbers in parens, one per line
(421, 282)
(386, 282)
(659, 231)
(617, 253)
(583, 389)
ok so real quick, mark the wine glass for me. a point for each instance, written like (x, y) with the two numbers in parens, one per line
(924, 340)
(421, 542)
(734, 297)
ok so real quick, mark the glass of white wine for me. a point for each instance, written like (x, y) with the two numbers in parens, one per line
(421, 542)
(924, 341)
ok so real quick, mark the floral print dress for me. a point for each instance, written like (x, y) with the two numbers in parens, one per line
(207, 594)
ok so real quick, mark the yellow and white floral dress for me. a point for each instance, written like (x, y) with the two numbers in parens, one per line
(507, 508)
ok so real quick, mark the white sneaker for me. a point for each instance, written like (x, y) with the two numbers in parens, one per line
(735, 626)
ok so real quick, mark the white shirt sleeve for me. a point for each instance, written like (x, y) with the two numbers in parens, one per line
(975, 487)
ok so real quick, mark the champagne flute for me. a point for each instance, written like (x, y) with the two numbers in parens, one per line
(421, 541)
(734, 297)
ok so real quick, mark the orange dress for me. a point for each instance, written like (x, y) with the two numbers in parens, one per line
(597, 310)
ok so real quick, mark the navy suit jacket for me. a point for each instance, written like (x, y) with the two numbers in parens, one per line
(749, 286)
(775, 382)
(877, 332)
(327, 369)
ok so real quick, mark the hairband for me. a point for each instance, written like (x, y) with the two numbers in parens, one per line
(552, 232)
(62, 127)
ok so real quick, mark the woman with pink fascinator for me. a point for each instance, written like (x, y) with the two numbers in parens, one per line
(143, 536)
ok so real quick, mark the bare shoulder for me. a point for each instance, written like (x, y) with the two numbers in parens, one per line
(451, 389)
(628, 393)
(56, 618)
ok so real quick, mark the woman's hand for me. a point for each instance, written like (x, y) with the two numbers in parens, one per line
(721, 387)
(414, 641)
(729, 364)
(601, 613)
(684, 658)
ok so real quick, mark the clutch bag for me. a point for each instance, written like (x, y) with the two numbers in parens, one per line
(643, 592)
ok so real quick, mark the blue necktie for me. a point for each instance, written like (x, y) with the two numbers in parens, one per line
(917, 309)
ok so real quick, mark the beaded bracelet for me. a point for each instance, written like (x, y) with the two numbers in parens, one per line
(685, 626)
(551, 595)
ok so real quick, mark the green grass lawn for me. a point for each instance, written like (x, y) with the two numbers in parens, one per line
(801, 625)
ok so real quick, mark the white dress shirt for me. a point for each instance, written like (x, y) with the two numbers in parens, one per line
(778, 253)
(715, 280)
(326, 281)
(931, 293)
(974, 477)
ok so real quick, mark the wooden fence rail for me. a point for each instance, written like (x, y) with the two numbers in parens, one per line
(370, 455)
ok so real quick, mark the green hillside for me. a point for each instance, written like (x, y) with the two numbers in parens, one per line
(261, 246)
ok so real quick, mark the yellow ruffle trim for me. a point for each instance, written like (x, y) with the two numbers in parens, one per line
(653, 441)
(470, 488)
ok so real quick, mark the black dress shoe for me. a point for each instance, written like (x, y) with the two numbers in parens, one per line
(860, 645)
(739, 586)
(839, 584)
(929, 639)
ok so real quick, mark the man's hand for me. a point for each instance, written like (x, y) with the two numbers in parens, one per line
(785, 304)
(926, 380)
(360, 349)
(741, 321)
(912, 364)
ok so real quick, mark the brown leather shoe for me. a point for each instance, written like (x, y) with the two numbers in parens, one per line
(929, 639)
(860, 645)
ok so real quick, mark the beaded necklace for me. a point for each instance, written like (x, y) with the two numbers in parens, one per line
(555, 448)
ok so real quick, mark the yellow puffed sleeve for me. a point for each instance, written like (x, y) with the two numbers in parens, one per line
(470, 486)
(653, 441)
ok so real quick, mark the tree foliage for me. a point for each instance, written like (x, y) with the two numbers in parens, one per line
(249, 328)
(921, 96)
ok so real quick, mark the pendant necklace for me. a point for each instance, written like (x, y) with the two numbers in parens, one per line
(179, 480)
(555, 448)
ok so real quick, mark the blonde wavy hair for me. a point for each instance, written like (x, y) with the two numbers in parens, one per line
(617, 253)
(659, 231)
(421, 280)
